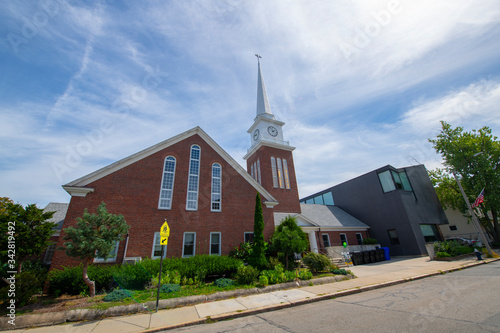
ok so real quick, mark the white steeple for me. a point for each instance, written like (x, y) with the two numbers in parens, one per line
(263, 107)
(266, 129)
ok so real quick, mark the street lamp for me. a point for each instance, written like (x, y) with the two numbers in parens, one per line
(474, 217)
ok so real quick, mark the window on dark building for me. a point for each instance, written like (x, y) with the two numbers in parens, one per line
(359, 238)
(393, 237)
(453, 227)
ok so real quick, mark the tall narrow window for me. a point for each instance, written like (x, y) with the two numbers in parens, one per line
(49, 253)
(343, 238)
(215, 243)
(359, 238)
(280, 173)
(258, 172)
(393, 237)
(156, 253)
(252, 171)
(189, 244)
(167, 183)
(193, 179)
(285, 173)
(275, 173)
(216, 187)
(326, 240)
(111, 257)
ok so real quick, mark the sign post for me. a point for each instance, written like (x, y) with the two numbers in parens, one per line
(164, 233)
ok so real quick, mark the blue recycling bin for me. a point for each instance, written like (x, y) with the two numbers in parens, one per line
(386, 253)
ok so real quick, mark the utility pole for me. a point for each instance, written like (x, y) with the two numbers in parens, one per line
(474, 217)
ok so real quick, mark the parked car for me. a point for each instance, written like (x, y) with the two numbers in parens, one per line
(463, 241)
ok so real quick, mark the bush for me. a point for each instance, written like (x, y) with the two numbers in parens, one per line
(316, 262)
(242, 252)
(247, 274)
(132, 277)
(339, 271)
(442, 255)
(305, 274)
(27, 285)
(223, 282)
(369, 241)
(69, 280)
(170, 288)
(117, 295)
(453, 248)
(263, 280)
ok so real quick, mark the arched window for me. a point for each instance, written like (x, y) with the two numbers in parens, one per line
(275, 173)
(193, 178)
(280, 173)
(216, 187)
(285, 172)
(167, 183)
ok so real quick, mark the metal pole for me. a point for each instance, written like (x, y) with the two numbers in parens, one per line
(474, 218)
(159, 278)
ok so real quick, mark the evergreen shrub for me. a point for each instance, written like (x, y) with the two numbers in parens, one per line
(247, 274)
(316, 262)
(117, 295)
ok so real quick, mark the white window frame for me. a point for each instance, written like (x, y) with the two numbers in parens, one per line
(111, 259)
(184, 241)
(285, 173)
(328, 239)
(280, 173)
(171, 190)
(213, 187)
(341, 241)
(361, 236)
(275, 173)
(156, 242)
(220, 241)
(193, 177)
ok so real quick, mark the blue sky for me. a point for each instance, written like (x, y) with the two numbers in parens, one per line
(359, 84)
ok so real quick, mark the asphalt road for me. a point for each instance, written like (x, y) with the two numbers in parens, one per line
(463, 301)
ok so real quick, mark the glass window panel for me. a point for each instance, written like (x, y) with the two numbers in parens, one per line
(285, 172)
(280, 173)
(359, 238)
(397, 180)
(189, 244)
(328, 198)
(326, 240)
(215, 243)
(167, 183)
(319, 200)
(216, 187)
(343, 238)
(157, 246)
(258, 172)
(310, 201)
(194, 174)
(405, 181)
(386, 181)
(275, 173)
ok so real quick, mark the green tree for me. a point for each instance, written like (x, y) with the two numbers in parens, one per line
(95, 236)
(288, 239)
(474, 157)
(27, 230)
(258, 255)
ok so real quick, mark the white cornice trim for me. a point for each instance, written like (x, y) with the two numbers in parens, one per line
(77, 191)
(77, 186)
(260, 119)
(334, 228)
(271, 144)
(270, 204)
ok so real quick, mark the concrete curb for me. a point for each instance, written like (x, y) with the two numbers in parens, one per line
(56, 318)
(342, 293)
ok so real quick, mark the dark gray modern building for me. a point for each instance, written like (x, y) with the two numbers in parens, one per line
(400, 206)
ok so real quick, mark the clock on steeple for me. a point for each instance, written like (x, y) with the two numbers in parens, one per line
(269, 158)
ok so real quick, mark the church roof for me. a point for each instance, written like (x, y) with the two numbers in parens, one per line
(263, 106)
(324, 217)
(79, 187)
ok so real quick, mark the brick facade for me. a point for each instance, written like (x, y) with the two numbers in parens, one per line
(288, 198)
(134, 190)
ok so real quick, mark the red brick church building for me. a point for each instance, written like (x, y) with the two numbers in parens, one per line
(206, 196)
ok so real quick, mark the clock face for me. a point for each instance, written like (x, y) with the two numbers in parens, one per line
(272, 130)
(256, 134)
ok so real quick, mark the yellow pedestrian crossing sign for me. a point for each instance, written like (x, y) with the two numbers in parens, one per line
(164, 233)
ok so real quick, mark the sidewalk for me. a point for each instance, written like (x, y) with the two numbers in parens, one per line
(371, 276)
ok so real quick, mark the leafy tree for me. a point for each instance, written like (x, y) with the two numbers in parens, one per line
(95, 236)
(289, 239)
(474, 157)
(29, 230)
(258, 254)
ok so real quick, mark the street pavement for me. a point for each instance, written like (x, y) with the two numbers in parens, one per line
(370, 276)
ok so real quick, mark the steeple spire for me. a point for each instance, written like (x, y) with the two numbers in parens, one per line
(263, 107)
